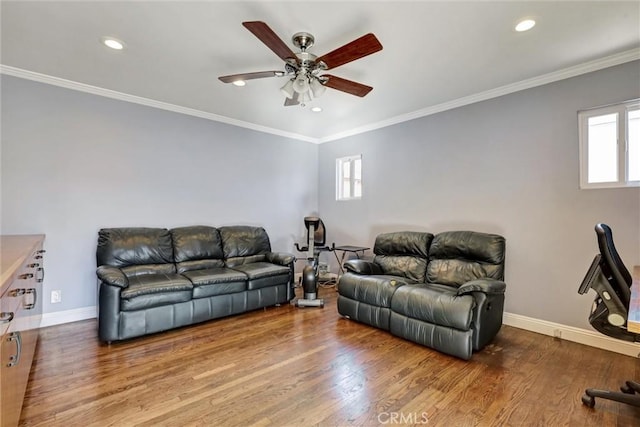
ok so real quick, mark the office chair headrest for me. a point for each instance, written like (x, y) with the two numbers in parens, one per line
(611, 256)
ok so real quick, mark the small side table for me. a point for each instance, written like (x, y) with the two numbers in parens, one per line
(357, 250)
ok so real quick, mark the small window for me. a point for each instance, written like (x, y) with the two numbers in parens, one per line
(610, 146)
(349, 178)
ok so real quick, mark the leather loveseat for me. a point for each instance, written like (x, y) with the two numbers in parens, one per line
(444, 291)
(155, 279)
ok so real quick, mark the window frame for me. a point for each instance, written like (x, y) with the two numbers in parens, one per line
(340, 178)
(622, 158)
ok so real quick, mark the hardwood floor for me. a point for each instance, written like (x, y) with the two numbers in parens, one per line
(289, 366)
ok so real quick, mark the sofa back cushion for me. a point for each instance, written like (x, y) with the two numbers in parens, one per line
(136, 250)
(403, 254)
(456, 257)
(198, 247)
(244, 244)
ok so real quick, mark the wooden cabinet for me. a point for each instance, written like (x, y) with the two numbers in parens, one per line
(21, 273)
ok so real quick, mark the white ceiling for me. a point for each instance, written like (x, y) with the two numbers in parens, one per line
(436, 54)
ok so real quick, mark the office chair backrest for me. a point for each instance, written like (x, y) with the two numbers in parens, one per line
(611, 280)
(612, 265)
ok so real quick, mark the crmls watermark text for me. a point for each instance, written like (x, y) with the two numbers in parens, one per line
(403, 418)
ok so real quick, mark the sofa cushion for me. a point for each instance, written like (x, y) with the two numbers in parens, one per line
(151, 290)
(457, 257)
(200, 264)
(412, 243)
(239, 260)
(216, 281)
(120, 247)
(403, 254)
(197, 247)
(408, 267)
(436, 304)
(244, 241)
(263, 274)
(137, 270)
(375, 290)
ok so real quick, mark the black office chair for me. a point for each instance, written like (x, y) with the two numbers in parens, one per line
(612, 282)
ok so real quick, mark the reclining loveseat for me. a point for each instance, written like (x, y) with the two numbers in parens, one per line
(155, 279)
(445, 291)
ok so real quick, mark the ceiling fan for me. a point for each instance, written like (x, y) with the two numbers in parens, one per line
(304, 69)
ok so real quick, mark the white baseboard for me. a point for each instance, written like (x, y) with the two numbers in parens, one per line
(68, 316)
(570, 333)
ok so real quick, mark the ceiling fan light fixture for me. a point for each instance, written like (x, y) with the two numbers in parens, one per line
(287, 89)
(317, 88)
(239, 83)
(304, 98)
(301, 84)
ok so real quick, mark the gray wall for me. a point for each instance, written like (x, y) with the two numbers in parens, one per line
(509, 166)
(73, 163)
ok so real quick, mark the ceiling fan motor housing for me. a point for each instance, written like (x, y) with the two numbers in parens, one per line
(302, 40)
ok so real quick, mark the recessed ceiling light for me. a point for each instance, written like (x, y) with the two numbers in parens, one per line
(113, 43)
(525, 25)
(316, 109)
(239, 83)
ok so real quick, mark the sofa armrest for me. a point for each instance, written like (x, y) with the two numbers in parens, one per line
(112, 276)
(362, 266)
(281, 258)
(486, 286)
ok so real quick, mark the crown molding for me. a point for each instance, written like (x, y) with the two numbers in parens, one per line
(587, 67)
(121, 96)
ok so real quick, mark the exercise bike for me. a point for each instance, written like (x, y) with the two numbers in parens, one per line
(316, 236)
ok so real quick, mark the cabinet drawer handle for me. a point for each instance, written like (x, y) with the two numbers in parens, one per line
(34, 265)
(35, 298)
(15, 359)
(6, 317)
(41, 278)
(41, 251)
(17, 292)
(25, 276)
(37, 257)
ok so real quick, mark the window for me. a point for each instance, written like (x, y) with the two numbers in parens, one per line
(610, 146)
(349, 178)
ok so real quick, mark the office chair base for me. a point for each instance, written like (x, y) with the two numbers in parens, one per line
(627, 395)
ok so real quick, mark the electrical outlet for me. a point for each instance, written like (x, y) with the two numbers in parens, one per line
(56, 296)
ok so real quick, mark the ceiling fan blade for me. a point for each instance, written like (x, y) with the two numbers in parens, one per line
(359, 48)
(348, 86)
(269, 38)
(292, 101)
(249, 76)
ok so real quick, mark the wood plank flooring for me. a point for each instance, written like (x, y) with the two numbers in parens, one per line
(286, 366)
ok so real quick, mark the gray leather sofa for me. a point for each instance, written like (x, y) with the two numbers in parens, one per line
(444, 291)
(155, 279)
